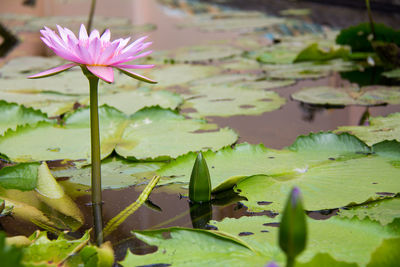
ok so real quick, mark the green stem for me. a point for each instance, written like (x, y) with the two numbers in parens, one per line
(289, 261)
(91, 14)
(371, 21)
(96, 162)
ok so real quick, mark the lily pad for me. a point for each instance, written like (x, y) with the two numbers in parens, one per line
(49, 103)
(45, 251)
(24, 66)
(250, 241)
(230, 165)
(180, 74)
(204, 53)
(162, 134)
(234, 22)
(204, 248)
(226, 101)
(132, 101)
(366, 96)
(384, 211)
(355, 240)
(115, 173)
(151, 133)
(12, 115)
(380, 129)
(307, 70)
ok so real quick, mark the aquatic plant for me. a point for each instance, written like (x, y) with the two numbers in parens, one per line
(97, 56)
(293, 228)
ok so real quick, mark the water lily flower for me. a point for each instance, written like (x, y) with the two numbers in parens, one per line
(97, 56)
(96, 53)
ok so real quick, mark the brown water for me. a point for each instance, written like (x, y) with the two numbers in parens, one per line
(275, 129)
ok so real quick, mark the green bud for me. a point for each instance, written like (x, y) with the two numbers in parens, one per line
(293, 227)
(200, 184)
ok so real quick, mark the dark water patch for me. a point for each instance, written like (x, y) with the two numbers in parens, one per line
(274, 224)
(264, 202)
(322, 214)
(246, 233)
(385, 194)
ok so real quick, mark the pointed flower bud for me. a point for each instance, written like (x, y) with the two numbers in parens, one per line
(200, 184)
(293, 227)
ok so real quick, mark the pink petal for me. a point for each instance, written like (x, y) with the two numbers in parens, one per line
(121, 58)
(104, 73)
(134, 66)
(107, 54)
(52, 71)
(136, 76)
(105, 37)
(83, 33)
(94, 34)
(135, 43)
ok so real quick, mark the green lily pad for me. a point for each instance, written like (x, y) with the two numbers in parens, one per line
(233, 22)
(44, 251)
(366, 96)
(226, 101)
(384, 211)
(335, 183)
(355, 240)
(22, 176)
(307, 70)
(151, 133)
(24, 66)
(250, 241)
(180, 74)
(115, 173)
(204, 53)
(380, 129)
(162, 134)
(230, 165)
(204, 247)
(131, 101)
(314, 53)
(12, 115)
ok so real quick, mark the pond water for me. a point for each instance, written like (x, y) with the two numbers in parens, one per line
(276, 129)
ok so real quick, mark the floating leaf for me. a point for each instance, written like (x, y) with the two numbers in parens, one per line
(233, 22)
(179, 74)
(115, 173)
(151, 133)
(228, 165)
(335, 183)
(367, 96)
(225, 101)
(161, 134)
(355, 240)
(384, 211)
(314, 53)
(308, 70)
(22, 176)
(45, 251)
(12, 115)
(202, 53)
(380, 129)
(131, 101)
(204, 247)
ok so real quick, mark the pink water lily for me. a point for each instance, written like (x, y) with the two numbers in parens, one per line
(97, 53)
